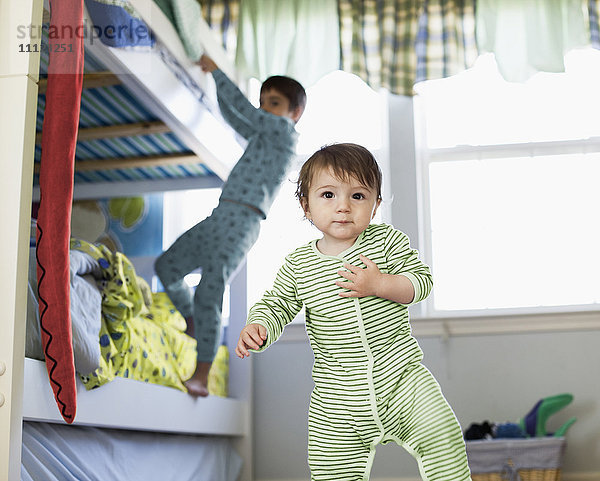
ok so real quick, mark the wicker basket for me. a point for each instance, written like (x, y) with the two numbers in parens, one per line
(533, 459)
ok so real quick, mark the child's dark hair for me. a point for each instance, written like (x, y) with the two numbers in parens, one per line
(287, 86)
(344, 160)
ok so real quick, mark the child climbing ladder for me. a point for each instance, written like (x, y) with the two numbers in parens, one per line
(219, 244)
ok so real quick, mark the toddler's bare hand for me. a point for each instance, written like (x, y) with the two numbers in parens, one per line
(360, 282)
(252, 337)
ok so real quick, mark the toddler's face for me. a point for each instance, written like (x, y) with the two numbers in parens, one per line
(276, 103)
(341, 210)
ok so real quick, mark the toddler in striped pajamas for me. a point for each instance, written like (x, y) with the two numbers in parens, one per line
(356, 283)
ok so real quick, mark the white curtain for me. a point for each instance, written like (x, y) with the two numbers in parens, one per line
(297, 38)
(529, 36)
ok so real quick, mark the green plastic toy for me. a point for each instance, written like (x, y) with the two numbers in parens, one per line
(534, 423)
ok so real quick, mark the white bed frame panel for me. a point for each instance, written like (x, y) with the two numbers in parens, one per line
(130, 404)
(134, 405)
(102, 190)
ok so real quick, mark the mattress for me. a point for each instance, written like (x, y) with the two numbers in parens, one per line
(53, 452)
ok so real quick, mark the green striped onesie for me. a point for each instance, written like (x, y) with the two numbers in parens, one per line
(370, 385)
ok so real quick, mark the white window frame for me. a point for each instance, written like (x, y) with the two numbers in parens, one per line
(429, 322)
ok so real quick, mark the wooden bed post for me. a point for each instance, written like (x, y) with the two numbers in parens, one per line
(19, 66)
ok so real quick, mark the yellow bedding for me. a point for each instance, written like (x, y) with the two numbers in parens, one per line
(137, 341)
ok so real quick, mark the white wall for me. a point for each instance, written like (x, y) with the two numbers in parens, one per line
(485, 377)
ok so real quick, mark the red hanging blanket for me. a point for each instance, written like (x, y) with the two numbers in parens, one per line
(59, 136)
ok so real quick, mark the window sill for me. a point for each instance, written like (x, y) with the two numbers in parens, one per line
(484, 325)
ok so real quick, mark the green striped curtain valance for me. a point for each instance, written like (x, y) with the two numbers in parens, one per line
(395, 43)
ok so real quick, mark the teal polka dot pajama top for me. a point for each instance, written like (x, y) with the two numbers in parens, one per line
(370, 385)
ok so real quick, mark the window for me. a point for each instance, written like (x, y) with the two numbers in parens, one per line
(509, 178)
(340, 108)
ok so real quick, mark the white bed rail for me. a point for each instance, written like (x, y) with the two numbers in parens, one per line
(128, 404)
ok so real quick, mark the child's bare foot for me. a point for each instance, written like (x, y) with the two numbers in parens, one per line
(197, 385)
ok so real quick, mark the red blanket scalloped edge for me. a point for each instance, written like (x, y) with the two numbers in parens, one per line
(59, 137)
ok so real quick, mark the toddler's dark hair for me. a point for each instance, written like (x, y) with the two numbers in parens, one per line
(345, 161)
(290, 88)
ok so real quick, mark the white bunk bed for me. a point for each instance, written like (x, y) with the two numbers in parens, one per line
(25, 393)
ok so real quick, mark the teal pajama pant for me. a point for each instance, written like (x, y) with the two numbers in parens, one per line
(218, 246)
(342, 437)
